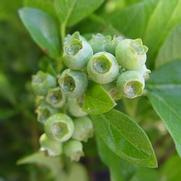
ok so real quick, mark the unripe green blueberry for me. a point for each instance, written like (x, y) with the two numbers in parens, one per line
(75, 107)
(73, 83)
(116, 40)
(42, 82)
(101, 43)
(131, 84)
(83, 129)
(103, 68)
(44, 111)
(73, 149)
(77, 51)
(52, 147)
(55, 97)
(144, 72)
(131, 54)
(59, 127)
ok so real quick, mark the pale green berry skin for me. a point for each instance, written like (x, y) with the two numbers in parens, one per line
(73, 149)
(59, 127)
(52, 147)
(56, 97)
(103, 68)
(115, 41)
(131, 54)
(74, 107)
(83, 129)
(144, 72)
(131, 84)
(77, 51)
(44, 111)
(73, 83)
(100, 43)
(42, 82)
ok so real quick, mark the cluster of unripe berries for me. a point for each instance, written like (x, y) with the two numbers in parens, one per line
(118, 64)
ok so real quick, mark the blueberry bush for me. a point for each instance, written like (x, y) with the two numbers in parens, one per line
(90, 90)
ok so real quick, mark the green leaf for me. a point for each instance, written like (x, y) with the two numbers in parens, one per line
(125, 138)
(145, 174)
(171, 170)
(120, 170)
(97, 100)
(178, 148)
(55, 165)
(45, 5)
(40, 158)
(164, 92)
(170, 50)
(151, 20)
(43, 30)
(73, 11)
(165, 17)
(132, 21)
(128, 2)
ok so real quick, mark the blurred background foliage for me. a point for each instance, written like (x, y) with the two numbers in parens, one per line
(19, 130)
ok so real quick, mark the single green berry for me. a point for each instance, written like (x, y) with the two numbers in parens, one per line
(116, 40)
(83, 129)
(131, 54)
(103, 68)
(144, 72)
(55, 97)
(77, 51)
(44, 111)
(101, 43)
(131, 84)
(73, 149)
(59, 127)
(52, 147)
(75, 107)
(73, 83)
(42, 82)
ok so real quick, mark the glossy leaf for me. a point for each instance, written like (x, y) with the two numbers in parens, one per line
(132, 21)
(152, 20)
(45, 5)
(73, 11)
(170, 50)
(166, 16)
(164, 92)
(120, 170)
(125, 138)
(43, 30)
(97, 100)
